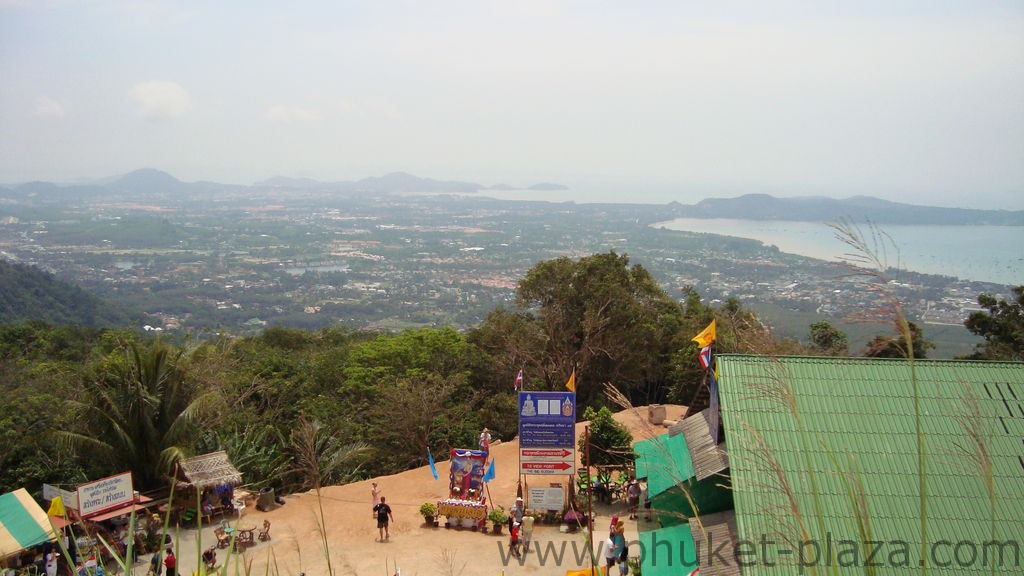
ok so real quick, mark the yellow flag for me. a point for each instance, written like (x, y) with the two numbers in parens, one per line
(571, 384)
(706, 336)
(56, 507)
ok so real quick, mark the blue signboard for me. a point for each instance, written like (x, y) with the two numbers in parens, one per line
(547, 420)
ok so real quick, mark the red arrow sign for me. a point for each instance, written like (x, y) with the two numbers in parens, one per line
(558, 452)
(546, 466)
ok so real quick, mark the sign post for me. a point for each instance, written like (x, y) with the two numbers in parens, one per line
(547, 432)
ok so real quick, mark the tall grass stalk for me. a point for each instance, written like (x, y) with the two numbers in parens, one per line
(977, 454)
(868, 262)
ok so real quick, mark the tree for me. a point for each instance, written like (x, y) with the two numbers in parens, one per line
(1002, 327)
(896, 346)
(139, 413)
(610, 442)
(319, 458)
(827, 339)
(609, 321)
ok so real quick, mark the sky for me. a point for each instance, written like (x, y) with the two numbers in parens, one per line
(918, 101)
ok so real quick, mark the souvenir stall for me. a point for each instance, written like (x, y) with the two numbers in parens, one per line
(466, 505)
(212, 481)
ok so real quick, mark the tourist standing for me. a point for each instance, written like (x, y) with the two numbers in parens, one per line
(633, 495)
(375, 492)
(51, 562)
(485, 440)
(515, 514)
(170, 562)
(527, 532)
(384, 514)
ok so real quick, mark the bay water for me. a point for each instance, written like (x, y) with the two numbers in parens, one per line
(981, 253)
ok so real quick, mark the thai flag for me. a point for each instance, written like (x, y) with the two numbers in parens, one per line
(519, 380)
(705, 357)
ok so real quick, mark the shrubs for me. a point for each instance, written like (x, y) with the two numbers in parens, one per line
(428, 510)
(498, 516)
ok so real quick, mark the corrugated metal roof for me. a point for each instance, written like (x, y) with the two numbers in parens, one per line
(708, 457)
(716, 542)
(664, 460)
(851, 445)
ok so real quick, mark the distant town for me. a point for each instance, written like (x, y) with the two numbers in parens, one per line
(209, 258)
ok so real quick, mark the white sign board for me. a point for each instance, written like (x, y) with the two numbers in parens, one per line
(70, 499)
(547, 498)
(546, 461)
(105, 494)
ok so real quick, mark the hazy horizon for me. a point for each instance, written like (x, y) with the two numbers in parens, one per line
(916, 102)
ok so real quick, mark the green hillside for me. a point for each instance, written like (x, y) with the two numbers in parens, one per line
(27, 293)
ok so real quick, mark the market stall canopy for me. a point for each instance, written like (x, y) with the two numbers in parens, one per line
(23, 523)
(210, 470)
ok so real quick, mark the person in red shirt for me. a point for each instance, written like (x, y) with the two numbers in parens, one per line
(513, 539)
(170, 562)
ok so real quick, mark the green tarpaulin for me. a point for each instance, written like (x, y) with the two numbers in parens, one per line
(23, 523)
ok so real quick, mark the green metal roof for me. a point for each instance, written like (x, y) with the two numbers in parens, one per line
(664, 461)
(666, 551)
(854, 425)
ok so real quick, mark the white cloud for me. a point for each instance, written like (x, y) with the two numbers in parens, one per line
(160, 99)
(49, 108)
(291, 114)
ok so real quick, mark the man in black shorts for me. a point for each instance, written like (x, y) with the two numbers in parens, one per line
(383, 512)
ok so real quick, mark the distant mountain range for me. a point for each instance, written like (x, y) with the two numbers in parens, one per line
(155, 184)
(856, 209)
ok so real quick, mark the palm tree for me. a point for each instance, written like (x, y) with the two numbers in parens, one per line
(140, 414)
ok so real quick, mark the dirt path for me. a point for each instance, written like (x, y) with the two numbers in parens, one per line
(298, 540)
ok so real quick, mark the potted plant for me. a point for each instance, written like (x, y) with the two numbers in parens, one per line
(429, 512)
(572, 519)
(498, 518)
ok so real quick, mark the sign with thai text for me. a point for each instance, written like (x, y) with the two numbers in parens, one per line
(547, 432)
(105, 494)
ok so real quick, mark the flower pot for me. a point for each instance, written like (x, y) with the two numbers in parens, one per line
(429, 520)
(496, 528)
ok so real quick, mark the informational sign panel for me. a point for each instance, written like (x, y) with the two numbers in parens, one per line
(542, 498)
(106, 494)
(547, 432)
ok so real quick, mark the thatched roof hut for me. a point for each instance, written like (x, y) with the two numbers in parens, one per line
(208, 471)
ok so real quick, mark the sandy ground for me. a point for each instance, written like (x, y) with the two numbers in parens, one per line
(297, 541)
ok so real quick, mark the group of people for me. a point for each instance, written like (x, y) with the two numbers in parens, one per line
(170, 562)
(382, 512)
(615, 548)
(520, 529)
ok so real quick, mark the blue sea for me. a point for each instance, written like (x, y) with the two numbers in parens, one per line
(981, 253)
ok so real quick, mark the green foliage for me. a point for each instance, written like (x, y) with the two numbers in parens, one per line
(827, 339)
(610, 442)
(609, 321)
(1001, 325)
(138, 413)
(428, 509)
(498, 515)
(896, 346)
(27, 293)
(320, 458)
(259, 451)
